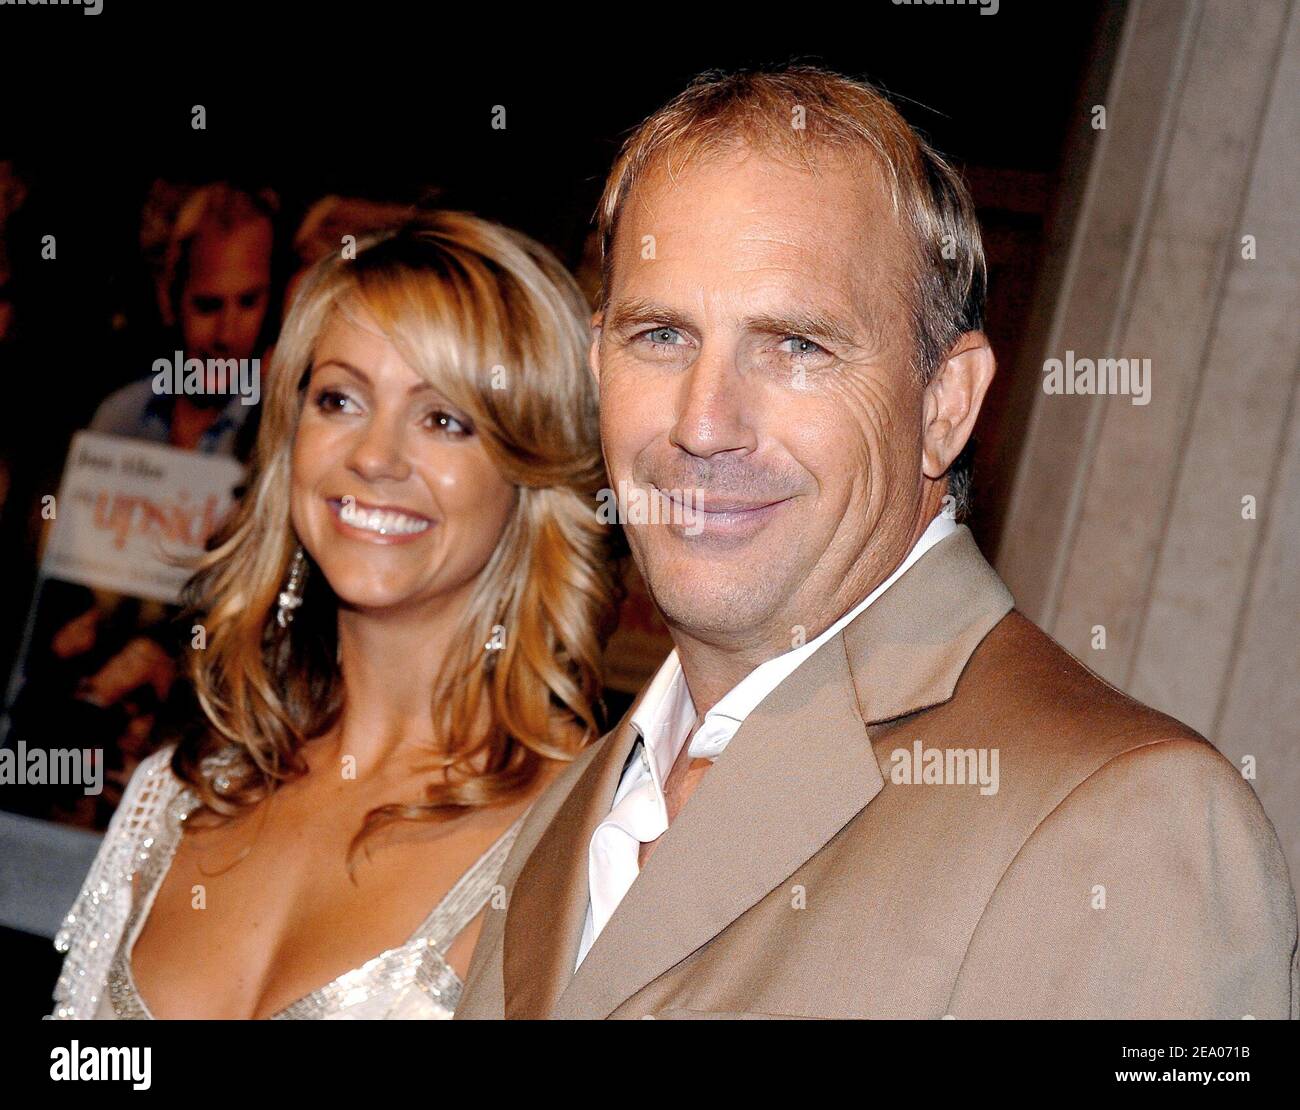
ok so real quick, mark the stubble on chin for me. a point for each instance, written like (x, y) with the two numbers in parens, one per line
(709, 599)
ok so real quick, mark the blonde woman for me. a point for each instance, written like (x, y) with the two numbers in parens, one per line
(403, 627)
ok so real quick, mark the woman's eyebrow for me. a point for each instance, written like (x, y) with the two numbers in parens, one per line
(364, 378)
(355, 371)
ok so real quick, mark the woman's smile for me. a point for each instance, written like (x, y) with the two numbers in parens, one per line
(383, 524)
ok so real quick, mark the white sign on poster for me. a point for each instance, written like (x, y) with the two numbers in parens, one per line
(130, 514)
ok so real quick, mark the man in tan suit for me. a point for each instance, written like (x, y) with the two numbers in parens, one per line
(862, 785)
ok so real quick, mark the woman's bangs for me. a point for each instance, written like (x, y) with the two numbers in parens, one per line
(439, 325)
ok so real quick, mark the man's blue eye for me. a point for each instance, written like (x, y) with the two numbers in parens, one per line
(802, 346)
(664, 336)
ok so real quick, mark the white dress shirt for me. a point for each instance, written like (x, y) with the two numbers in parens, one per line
(663, 721)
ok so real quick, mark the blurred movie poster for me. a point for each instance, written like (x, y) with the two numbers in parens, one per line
(97, 673)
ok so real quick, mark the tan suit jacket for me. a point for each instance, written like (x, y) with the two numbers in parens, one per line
(1123, 868)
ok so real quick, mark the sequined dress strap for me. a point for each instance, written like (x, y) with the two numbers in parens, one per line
(463, 901)
(93, 927)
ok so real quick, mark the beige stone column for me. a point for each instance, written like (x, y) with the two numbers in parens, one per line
(1171, 529)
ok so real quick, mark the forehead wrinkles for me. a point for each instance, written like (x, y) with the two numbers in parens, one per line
(832, 224)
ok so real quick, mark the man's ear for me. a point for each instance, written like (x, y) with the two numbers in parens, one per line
(593, 354)
(953, 399)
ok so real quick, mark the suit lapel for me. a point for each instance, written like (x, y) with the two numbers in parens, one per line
(908, 648)
(755, 817)
(548, 905)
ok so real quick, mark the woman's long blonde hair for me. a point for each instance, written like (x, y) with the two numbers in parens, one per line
(496, 324)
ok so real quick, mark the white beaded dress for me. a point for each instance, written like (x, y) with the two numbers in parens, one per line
(413, 980)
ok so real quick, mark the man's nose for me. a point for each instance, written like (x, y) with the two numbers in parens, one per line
(378, 452)
(713, 413)
(227, 323)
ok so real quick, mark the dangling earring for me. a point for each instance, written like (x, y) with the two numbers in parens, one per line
(291, 595)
